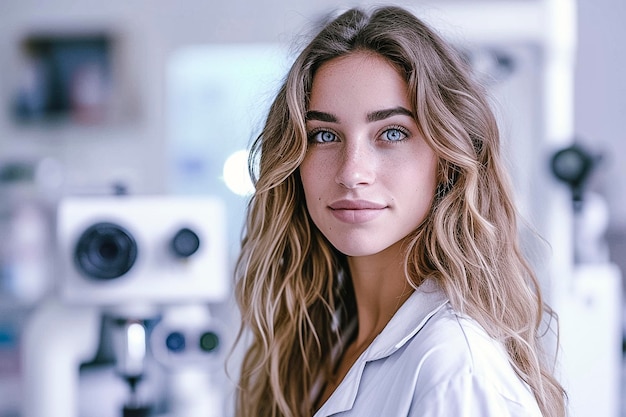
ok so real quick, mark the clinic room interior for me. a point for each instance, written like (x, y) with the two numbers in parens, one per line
(142, 113)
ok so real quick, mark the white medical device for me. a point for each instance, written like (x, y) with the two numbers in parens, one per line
(135, 258)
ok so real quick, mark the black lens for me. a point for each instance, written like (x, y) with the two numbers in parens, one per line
(105, 251)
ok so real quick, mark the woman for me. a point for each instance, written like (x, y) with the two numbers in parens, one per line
(380, 273)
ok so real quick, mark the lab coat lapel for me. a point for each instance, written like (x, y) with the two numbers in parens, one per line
(404, 325)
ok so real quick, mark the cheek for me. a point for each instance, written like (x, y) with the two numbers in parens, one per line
(310, 178)
(424, 180)
(429, 178)
(306, 176)
(314, 172)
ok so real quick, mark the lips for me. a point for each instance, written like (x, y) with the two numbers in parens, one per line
(356, 211)
(356, 205)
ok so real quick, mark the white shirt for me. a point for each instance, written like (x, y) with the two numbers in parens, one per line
(430, 361)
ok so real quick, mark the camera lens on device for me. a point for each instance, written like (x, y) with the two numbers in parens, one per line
(105, 251)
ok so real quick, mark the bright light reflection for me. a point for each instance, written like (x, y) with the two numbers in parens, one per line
(136, 341)
(236, 174)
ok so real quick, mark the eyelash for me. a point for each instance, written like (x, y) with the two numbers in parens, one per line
(311, 135)
(400, 129)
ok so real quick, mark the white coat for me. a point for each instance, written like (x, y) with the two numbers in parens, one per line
(430, 361)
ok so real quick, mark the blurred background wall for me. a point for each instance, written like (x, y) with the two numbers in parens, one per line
(600, 106)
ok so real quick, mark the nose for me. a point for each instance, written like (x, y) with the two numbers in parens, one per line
(356, 165)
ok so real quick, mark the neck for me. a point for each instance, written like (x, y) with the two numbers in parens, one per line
(380, 288)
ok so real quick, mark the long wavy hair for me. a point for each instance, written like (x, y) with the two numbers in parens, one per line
(294, 289)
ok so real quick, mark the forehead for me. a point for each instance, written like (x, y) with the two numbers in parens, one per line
(359, 78)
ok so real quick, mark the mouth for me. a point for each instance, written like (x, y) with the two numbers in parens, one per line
(356, 205)
(356, 211)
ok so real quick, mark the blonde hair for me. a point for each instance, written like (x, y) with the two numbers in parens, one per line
(294, 289)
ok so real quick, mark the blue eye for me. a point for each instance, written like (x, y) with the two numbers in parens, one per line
(323, 136)
(394, 135)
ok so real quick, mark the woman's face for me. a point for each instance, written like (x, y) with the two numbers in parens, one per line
(369, 177)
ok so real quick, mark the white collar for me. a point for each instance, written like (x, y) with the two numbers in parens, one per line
(425, 301)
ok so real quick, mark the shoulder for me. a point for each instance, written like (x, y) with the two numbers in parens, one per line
(447, 365)
(450, 344)
(459, 363)
(459, 342)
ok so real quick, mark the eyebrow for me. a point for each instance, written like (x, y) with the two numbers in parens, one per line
(384, 114)
(371, 117)
(321, 116)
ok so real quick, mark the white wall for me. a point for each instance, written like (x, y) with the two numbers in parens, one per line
(601, 95)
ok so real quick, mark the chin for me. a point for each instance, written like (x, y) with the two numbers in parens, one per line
(353, 250)
(362, 247)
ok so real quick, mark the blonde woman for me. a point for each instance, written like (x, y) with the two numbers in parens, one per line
(380, 273)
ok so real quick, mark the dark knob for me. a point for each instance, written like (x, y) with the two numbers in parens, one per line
(209, 341)
(136, 411)
(572, 165)
(175, 342)
(185, 243)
